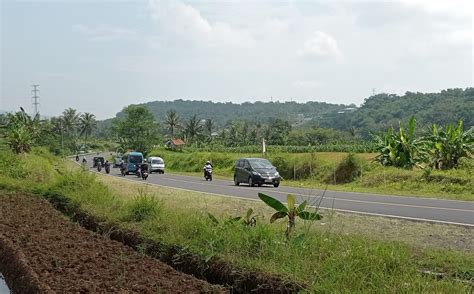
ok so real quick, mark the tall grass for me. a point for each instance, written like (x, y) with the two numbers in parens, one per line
(325, 262)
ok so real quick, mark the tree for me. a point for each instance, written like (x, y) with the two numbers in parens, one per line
(279, 131)
(87, 124)
(137, 129)
(172, 120)
(22, 131)
(193, 129)
(209, 127)
(70, 119)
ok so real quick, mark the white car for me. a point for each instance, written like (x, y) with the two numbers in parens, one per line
(156, 164)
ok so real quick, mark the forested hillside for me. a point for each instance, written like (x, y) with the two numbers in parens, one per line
(222, 113)
(383, 110)
(375, 114)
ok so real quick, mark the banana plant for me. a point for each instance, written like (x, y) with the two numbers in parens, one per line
(291, 211)
(450, 144)
(402, 148)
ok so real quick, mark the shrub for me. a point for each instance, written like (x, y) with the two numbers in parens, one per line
(347, 170)
(143, 206)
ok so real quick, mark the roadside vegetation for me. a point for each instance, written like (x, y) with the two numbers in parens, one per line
(324, 260)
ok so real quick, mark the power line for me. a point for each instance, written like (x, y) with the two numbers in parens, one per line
(35, 92)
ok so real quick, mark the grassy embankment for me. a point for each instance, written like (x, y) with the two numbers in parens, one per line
(333, 256)
(320, 169)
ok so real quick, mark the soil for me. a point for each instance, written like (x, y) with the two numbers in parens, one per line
(42, 251)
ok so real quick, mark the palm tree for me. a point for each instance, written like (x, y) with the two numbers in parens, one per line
(70, 119)
(87, 125)
(172, 120)
(58, 126)
(193, 129)
(209, 126)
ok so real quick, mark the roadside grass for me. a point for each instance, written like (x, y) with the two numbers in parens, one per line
(317, 170)
(329, 258)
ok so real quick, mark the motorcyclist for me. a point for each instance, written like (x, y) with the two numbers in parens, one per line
(107, 166)
(207, 167)
(77, 157)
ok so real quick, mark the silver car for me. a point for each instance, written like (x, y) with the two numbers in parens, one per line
(156, 164)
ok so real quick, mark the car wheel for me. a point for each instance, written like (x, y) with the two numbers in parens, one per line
(235, 181)
(276, 185)
(251, 184)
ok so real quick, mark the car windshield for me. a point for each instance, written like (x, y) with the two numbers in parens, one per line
(135, 159)
(260, 163)
(157, 161)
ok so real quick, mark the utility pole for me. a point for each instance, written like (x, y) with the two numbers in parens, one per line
(35, 92)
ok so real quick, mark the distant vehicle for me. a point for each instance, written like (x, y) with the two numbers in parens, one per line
(130, 160)
(256, 171)
(117, 161)
(142, 171)
(97, 160)
(156, 164)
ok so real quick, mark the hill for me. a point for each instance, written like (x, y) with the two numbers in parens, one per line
(376, 113)
(383, 110)
(252, 112)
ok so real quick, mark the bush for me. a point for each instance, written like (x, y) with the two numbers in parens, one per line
(142, 207)
(347, 170)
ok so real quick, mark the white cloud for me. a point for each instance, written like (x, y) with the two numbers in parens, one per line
(177, 19)
(104, 33)
(321, 45)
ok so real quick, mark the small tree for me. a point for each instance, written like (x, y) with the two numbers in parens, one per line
(291, 212)
(449, 145)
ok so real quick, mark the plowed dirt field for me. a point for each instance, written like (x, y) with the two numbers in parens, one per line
(42, 251)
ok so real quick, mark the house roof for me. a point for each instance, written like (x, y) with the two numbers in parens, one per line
(178, 142)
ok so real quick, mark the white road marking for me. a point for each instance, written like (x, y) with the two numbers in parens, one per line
(338, 199)
(321, 207)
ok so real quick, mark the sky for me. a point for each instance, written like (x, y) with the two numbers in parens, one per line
(99, 56)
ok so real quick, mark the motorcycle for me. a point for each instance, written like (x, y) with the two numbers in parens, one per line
(99, 167)
(208, 174)
(142, 171)
(107, 168)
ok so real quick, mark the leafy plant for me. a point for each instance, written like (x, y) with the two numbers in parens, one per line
(449, 145)
(402, 148)
(291, 212)
(22, 131)
(250, 219)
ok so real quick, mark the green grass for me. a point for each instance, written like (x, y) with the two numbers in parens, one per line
(326, 259)
(317, 170)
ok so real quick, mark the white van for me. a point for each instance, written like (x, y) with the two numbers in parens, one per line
(156, 164)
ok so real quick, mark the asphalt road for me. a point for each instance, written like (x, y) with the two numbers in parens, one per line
(404, 207)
